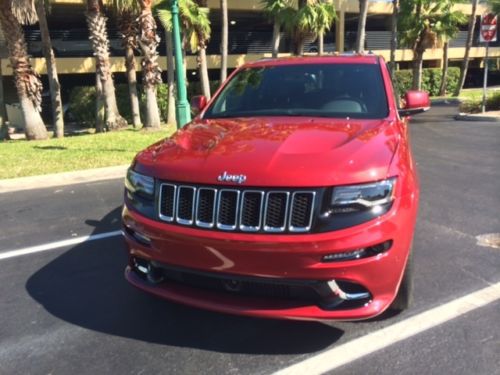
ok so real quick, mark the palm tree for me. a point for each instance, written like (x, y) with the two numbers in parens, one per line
(360, 37)
(54, 86)
(96, 22)
(449, 29)
(196, 33)
(28, 84)
(465, 62)
(171, 118)
(310, 20)
(325, 17)
(4, 131)
(280, 12)
(126, 12)
(394, 34)
(425, 22)
(223, 40)
(151, 72)
(162, 11)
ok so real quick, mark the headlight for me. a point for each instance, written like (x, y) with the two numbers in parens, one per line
(139, 183)
(355, 198)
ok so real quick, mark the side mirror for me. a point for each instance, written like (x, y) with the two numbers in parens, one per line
(198, 103)
(415, 102)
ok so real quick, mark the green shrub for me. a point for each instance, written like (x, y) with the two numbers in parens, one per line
(82, 103)
(474, 105)
(431, 80)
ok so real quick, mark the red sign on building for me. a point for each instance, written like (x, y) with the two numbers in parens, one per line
(488, 32)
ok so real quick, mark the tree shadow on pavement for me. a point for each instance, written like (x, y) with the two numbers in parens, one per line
(86, 287)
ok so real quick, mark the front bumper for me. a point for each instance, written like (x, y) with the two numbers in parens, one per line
(274, 257)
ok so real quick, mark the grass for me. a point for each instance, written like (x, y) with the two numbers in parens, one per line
(28, 158)
(470, 94)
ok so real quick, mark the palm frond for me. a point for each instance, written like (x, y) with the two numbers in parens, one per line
(24, 11)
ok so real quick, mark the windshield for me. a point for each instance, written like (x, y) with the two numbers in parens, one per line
(324, 90)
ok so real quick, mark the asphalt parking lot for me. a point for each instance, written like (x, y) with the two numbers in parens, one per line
(69, 309)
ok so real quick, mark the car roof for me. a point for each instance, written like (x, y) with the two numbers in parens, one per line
(351, 58)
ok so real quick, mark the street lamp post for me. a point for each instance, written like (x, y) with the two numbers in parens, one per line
(183, 110)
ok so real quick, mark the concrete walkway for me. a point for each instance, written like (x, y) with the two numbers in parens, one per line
(61, 179)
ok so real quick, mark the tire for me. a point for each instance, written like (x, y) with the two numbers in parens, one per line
(404, 297)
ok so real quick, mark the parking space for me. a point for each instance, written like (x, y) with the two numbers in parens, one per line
(70, 310)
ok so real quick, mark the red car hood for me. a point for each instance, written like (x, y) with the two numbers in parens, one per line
(276, 151)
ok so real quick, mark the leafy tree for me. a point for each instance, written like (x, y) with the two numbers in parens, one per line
(96, 23)
(465, 62)
(28, 84)
(127, 12)
(424, 22)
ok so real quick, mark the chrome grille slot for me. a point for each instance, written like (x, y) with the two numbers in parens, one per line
(227, 209)
(252, 202)
(185, 204)
(167, 202)
(237, 209)
(276, 209)
(205, 208)
(301, 211)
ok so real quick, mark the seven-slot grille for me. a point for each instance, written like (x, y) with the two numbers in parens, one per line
(229, 209)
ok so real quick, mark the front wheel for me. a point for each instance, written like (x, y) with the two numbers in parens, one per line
(404, 297)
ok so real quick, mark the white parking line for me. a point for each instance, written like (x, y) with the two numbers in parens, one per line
(55, 245)
(365, 345)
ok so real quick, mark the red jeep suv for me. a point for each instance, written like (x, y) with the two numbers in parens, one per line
(292, 194)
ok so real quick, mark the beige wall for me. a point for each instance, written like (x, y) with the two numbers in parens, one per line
(78, 65)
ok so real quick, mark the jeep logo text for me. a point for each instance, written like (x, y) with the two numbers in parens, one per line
(226, 177)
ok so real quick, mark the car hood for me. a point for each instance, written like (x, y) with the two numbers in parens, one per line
(284, 151)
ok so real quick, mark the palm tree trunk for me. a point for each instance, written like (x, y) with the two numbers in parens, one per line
(128, 28)
(224, 40)
(321, 43)
(99, 37)
(100, 105)
(54, 86)
(444, 76)
(132, 86)
(171, 119)
(417, 69)
(360, 37)
(205, 82)
(28, 84)
(276, 38)
(465, 62)
(394, 35)
(151, 72)
(4, 130)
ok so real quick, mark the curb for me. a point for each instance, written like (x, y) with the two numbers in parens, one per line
(467, 117)
(62, 179)
(446, 101)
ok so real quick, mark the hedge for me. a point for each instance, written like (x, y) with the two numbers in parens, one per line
(431, 80)
(82, 101)
(474, 105)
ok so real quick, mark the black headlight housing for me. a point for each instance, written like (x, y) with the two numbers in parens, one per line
(346, 206)
(140, 193)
